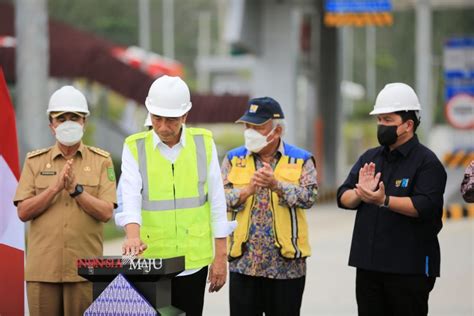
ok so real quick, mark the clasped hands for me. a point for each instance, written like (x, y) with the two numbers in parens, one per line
(66, 179)
(369, 189)
(263, 178)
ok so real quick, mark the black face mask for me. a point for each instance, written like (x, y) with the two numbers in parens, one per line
(387, 134)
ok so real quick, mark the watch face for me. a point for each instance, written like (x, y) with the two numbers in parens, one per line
(79, 188)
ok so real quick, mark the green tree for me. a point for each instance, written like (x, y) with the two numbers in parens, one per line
(117, 21)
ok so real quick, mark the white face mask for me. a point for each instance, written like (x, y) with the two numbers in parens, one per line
(69, 133)
(254, 141)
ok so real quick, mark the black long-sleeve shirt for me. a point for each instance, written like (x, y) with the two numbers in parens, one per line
(386, 241)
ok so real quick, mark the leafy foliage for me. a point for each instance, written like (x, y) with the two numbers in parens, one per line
(117, 20)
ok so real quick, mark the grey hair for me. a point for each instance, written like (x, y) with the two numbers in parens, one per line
(281, 123)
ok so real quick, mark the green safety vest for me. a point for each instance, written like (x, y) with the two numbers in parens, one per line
(176, 216)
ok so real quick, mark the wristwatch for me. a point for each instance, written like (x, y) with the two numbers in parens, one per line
(77, 190)
(386, 201)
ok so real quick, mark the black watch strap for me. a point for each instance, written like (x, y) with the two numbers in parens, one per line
(386, 201)
(77, 190)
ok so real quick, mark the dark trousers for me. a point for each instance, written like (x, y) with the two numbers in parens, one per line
(391, 294)
(251, 296)
(187, 292)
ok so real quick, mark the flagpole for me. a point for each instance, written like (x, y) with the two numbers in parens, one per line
(32, 72)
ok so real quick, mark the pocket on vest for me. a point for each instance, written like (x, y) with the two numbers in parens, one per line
(289, 175)
(159, 243)
(199, 243)
(239, 176)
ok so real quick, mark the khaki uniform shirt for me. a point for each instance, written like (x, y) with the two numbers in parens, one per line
(64, 232)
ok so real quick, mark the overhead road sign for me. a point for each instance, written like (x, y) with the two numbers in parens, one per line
(458, 59)
(358, 13)
(458, 63)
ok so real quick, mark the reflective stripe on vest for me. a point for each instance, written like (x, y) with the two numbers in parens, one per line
(289, 223)
(294, 232)
(182, 203)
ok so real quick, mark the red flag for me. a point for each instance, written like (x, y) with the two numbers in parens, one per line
(12, 240)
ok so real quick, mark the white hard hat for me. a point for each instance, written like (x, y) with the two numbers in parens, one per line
(148, 120)
(68, 99)
(168, 97)
(396, 97)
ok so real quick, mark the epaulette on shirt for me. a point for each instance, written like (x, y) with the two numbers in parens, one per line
(99, 151)
(37, 152)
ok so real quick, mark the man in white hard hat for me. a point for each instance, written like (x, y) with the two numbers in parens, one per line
(397, 190)
(173, 197)
(66, 192)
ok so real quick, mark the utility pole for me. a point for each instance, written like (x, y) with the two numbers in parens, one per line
(144, 24)
(347, 42)
(423, 63)
(32, 72)
(370, 55)
(168, 28)
(204, 33)
(222, 46)
(204, 49)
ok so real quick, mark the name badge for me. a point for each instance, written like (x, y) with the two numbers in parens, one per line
(48, 173)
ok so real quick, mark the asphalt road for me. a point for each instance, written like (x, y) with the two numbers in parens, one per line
(330, 281)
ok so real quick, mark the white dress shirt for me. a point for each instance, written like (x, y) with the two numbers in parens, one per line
(131, 186)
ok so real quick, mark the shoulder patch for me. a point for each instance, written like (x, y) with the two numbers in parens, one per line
(111, 173)
(37, 152)
(99, 151)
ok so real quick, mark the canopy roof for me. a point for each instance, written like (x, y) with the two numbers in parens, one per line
(78, 54)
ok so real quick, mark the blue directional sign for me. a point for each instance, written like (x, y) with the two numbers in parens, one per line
(458, 63)
(358, 6)
(358, 13)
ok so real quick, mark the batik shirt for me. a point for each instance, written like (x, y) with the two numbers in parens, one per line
(467, 185)
(261, 257)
